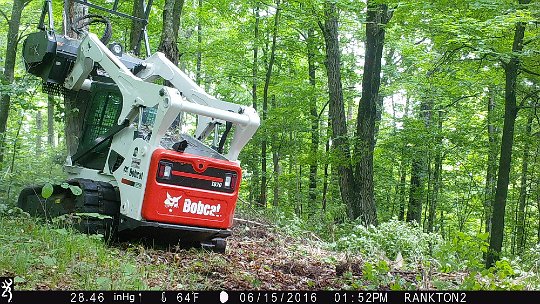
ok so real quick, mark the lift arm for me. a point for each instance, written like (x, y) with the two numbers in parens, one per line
(187, 96)
(158, 65)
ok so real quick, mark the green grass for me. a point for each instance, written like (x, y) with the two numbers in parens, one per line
(44, 256)
(48, 256)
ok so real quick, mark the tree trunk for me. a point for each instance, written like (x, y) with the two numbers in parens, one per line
(254, 193)
(538, 208)
(74, 108)
(414, 210)
(199, 44)
(403, 170)
(314, 119)
(503, 177)
(39, 127)
(275, 159)
(50, 120)
(326, 164)
(520, 229)
(9, 69)
(169, 34)
(264, 178)
(342, 154)
(380, 97)
(136, 27)
(491, 173)
(419, 170)
(378, 16)
(402, 190)
(436, 178)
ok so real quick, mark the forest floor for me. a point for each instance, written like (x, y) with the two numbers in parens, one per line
(258, 256)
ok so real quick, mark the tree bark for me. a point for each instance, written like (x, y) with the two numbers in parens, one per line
(520, 229)
(326, 165)
(136, 27)
(313, 166)
(419, 169)
(378, 16)
(254, 193)
(9, 69)
(169, 34)
(436, 178)
(39, 127)
(50, 120)
(199, 44)
(275, 159)
(403, 170)
(385, 81)
(511, 71)
(340, 145)
(491, 173)
(416, 193)
(538, 208)
(264, 178)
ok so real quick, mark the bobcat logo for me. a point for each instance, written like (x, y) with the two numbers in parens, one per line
(171, 202)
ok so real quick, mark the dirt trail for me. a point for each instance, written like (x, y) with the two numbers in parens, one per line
(256, 258)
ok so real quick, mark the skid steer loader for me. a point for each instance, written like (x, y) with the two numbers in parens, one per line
(138, 164)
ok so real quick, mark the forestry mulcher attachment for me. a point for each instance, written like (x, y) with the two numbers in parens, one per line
(139, 168)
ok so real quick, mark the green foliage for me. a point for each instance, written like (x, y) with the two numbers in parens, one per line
(47, 190)
(463, 251)
(387, 240)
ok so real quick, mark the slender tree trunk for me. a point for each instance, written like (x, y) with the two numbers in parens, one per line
(537, 153)
(50, 120)
(491, 173)
(414, 210)
(177, 12)
(314, 119)
(520, 229)
(275, 159)
(441, 225)
(341, 148)
(538, 208)
(326, 164)
(136, 26)
(380, 97)
(7, 77)
(264, 143)
(503, 176)
(39, 128)
(419, 170)
(169, 34)
(199, 44)
(74, 108)
(436, 177)
(255, 179)
(403, 170)
(378, 16)
(15, 152)
(402, 191)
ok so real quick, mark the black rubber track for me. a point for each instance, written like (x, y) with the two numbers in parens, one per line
(97, 198)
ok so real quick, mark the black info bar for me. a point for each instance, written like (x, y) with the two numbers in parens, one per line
(323, 297)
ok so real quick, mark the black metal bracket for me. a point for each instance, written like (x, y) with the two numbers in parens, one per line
(46, 10)
(98, 141)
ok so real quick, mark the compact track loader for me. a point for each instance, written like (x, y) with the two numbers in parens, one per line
(140, 167)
